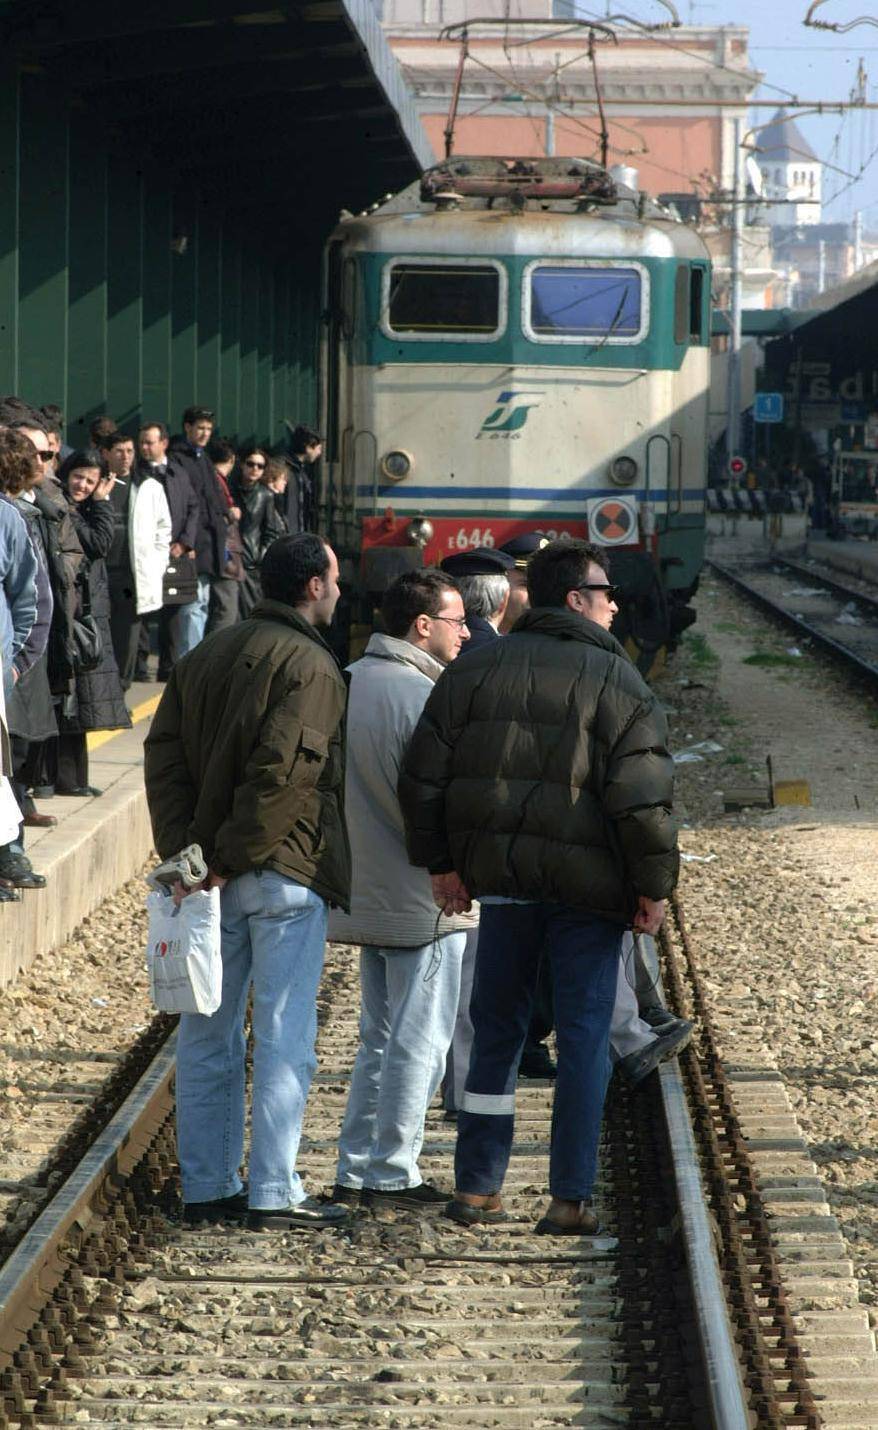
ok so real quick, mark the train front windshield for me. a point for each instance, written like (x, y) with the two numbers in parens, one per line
(585, 302)
(444, 298)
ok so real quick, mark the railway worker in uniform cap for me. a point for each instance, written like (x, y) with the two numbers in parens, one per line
(483, 577)
(245, 758)
(521, 549)
(538, 780)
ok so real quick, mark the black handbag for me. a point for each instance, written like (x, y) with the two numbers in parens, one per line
(88, 648)
(180, 581)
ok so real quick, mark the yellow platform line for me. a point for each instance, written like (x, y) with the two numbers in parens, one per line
(143, 711)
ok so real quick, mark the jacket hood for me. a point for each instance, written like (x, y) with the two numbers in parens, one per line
(565, 626)
(384, 647)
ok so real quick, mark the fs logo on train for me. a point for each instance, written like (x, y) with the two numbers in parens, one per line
(612, 521)
(510, 414)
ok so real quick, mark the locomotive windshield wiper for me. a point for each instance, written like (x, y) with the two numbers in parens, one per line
(612, 328)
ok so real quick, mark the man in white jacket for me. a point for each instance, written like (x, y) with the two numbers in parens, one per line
(411, 957)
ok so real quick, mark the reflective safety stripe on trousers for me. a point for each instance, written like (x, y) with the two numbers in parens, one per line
(491, 1104)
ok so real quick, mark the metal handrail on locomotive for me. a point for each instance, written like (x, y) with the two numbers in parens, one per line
(512, 346)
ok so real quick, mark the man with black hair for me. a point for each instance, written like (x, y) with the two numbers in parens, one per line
(190, 450)
(300, 497)
(245, 758)
(538, 780)
(410, 961)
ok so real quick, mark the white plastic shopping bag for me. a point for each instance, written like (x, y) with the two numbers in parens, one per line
(183, 952)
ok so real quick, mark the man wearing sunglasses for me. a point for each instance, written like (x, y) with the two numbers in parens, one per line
(538, 781)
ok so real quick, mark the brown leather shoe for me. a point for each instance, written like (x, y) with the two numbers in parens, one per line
(39, 821)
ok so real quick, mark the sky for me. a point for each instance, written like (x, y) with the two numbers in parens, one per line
(814, 65)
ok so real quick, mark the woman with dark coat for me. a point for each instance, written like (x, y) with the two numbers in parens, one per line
(259, 522)
(97, 702)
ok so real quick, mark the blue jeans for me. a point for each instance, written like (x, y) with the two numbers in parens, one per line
(409, 1000)
(192, 618)
(584, 954)
(273, 936)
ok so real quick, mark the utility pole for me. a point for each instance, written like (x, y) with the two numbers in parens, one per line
(733, 423)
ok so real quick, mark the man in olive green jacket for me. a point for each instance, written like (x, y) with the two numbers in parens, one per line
(538, 780)
(246, 758)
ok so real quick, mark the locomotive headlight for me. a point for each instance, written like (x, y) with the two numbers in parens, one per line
(420, 531)
(623, 471)
(396, 465)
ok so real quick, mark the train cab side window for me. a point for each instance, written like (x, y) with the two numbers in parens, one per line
(696, 304)
(681, 304)
(450, 301)
(688, 304)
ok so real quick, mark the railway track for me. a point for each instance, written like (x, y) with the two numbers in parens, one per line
(113, 1314)
(839, 619)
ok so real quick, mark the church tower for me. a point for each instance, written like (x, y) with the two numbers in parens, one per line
(791, 171)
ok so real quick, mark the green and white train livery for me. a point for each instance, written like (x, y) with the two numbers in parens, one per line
(520, 346)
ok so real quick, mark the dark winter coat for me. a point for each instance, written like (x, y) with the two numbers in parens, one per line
(246, 754)
(481, 632)
(299, 500)
(539, 770)
(260, 524)
(64, 558)
(210, 536)
(30, 710)
(99, 703)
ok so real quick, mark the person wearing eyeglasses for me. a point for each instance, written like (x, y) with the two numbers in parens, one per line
(538, 780)
(410, 961)
(260, 524)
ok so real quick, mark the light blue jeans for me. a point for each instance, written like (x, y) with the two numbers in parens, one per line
(273, 936)
(193, 618)
(409, 999)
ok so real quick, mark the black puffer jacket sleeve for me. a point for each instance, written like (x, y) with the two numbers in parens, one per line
(638, 792)
(424, 777)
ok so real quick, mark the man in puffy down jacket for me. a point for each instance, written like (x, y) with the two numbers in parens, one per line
(538, 780)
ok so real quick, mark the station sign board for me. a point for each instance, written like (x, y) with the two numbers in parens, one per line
(768, 407)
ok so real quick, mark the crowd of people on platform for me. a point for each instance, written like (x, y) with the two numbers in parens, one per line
(108, 550)
(482, 803)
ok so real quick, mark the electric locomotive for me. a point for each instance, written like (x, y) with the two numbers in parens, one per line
(520, 345)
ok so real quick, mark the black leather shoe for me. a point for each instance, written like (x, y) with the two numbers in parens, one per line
(17, 871)
(43, 792)
(9, 896)
(346, 1196)
(419, 1198)
(535, 1062)
(306, 1214)
(81, 792)
(666, 1045)
(657, 1016)
(232, 1208)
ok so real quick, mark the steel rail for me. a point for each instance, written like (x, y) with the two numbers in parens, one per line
(38, 1264)
(48, 1251)
(722, 1368)
(765, 603)
(838, 587)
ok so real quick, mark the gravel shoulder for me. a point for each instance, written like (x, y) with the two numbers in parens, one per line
(65, 1025)
(782, 903)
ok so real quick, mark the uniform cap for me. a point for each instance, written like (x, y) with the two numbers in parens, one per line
(522, 548)
(480, 561)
